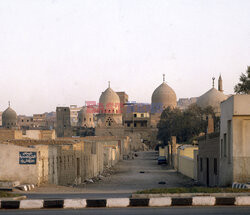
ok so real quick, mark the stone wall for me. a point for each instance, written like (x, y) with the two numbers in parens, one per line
(64, 161)
(10, 134)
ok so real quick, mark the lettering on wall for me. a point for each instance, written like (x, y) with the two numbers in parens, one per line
(27, 157)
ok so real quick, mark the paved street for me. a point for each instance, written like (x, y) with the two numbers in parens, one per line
(141, 173)
(145, 211)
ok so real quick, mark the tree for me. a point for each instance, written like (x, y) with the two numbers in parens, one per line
(243, 87)
(185, 125)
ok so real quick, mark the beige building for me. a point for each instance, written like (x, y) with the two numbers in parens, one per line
(109, 119)
(235, 140)
(39, 121)
(224, 158)
(86, 117)
(25, 122)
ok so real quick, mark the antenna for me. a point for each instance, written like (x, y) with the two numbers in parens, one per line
(163, 77)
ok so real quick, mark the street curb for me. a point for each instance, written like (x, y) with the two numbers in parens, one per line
(124, 202)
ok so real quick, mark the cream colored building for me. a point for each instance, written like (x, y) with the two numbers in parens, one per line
(235, 140)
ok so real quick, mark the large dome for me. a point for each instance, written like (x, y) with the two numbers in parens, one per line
(9, 118)
(164, 96)
(109, 101)
(212, 98)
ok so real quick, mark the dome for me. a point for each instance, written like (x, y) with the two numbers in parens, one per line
(212, 98)
(109, 102)
(164, 96)
(86, 117)
(9, 118)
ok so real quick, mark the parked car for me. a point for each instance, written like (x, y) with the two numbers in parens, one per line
(162, 160)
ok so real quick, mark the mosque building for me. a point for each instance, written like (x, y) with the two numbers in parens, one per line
(213, 97)
(9, 118)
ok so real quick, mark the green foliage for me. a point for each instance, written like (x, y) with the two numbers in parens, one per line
(193, 190)
(243, 87)
(185, 125)
(8, 195)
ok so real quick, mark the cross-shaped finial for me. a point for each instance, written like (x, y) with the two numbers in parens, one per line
(163, 77)
(213, 81)
(109, 84)
(9, 103)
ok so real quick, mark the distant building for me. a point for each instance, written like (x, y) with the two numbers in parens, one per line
(25, 122)
(39, 121)
(9, 118)
(63, 125)
(213, 97)
(74, 114)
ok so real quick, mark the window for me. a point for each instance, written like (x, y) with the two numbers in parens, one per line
(201, 166)
(128, 124)
(229, 125)
(135, 115)
(135, 124)
(221, 148)
(225, 145)
(90, 119)
(215, 166)
(142, 115)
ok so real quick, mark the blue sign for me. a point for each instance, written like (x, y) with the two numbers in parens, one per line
(27, 157)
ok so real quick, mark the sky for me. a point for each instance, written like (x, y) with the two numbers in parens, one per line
(61, 52)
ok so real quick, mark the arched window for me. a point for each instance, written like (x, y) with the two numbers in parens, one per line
(109, 122)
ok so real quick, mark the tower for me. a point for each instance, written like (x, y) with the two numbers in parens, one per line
(220, 87)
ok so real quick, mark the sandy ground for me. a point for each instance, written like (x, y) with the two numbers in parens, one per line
(127, 178)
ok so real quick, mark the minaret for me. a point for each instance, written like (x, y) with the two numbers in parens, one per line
(220, 87)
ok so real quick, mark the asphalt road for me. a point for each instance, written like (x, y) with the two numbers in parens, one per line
(129, 211)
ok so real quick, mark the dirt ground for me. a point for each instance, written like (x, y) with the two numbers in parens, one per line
(128, 176)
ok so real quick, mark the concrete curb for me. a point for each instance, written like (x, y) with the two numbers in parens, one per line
(125, 202)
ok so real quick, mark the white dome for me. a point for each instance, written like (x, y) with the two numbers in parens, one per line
(109, 102)
(212, 98)
(165, 96)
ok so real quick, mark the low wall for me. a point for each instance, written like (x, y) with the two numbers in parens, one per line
(186, 166)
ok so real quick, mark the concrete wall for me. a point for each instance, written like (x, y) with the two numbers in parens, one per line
(65, 161)
(235, 140)
(186, 160)
(208, 152)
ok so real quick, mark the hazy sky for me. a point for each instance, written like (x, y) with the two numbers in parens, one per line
(62, 52)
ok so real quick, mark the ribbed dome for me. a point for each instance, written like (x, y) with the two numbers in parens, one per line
(109, 101)
(212, 98)
(9, 118)
(164, 95)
